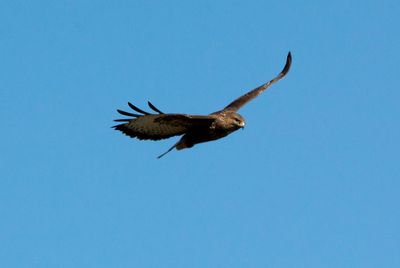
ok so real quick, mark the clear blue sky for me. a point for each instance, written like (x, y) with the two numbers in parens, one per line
(312, 181)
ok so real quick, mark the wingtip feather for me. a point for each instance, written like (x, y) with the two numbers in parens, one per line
(127, 114)
(133, 107)
(287, 64)
(154, 108)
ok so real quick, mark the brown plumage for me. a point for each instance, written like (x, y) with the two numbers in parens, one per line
(194, 128)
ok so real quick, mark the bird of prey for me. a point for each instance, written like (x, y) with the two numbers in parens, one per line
(194, 128)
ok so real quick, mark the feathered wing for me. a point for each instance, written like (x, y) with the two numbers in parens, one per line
(239, 102)
(146, 126)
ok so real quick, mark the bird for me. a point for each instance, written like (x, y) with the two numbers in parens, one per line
(194, 129)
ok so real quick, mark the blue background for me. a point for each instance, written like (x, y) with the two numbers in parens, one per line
(312, 181)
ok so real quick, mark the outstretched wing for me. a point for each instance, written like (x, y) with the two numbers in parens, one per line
(146, 126)
(239, 102)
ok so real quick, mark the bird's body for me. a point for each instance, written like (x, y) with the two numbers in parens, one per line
(224, 124)
(194, 128)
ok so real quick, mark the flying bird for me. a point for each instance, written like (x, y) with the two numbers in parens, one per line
(194, 128)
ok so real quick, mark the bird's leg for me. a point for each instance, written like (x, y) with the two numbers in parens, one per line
(169, 150)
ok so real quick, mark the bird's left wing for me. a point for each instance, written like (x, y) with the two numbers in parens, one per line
(146, 126)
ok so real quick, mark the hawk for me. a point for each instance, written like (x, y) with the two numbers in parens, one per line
(194, 128)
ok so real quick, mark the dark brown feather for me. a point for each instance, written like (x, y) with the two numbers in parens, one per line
(133, 107)
(128, 114)
(154, 108)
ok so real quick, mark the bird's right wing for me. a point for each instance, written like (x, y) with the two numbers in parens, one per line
(146, 126)
(242, 100)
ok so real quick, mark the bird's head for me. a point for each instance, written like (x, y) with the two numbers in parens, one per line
(235, 121)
